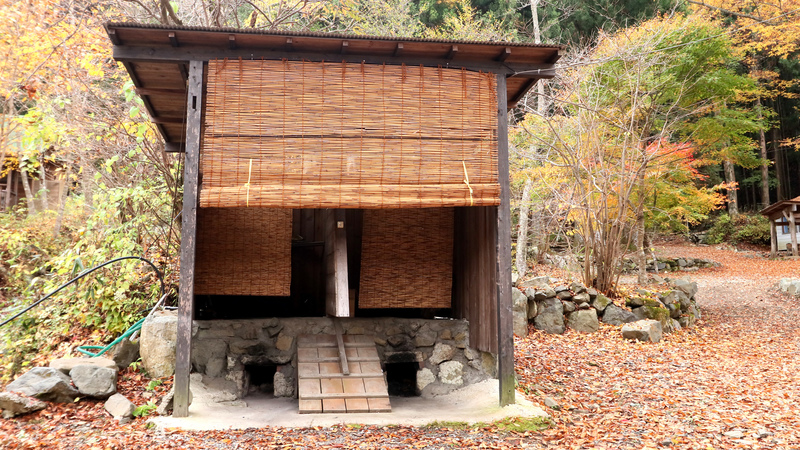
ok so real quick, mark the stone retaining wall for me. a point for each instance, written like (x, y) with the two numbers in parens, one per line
(670, 265)
(553, 306)
(221, 349)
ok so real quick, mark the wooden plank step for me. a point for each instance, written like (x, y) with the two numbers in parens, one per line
(323, 387)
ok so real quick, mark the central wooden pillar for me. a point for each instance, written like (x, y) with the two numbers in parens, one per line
(183, 357)
(505, 315)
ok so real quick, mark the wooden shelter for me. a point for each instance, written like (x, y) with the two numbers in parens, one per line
(785, 214)
(338, 174)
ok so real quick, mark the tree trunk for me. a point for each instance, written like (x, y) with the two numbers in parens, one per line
(522, 234)
(730, 179)
(537, 39)
(43, 186)
(641, 256)
(28, 194)
(780, 167)
(62, 206)
(9, 186)
(765, 164)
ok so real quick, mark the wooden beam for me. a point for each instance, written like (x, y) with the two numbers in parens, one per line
(232, 42)
(452, 52)
(173, 147)
(112, 35)
(160, 91)
(167, 120)
(504, 54)
(505, 315)
(147, 105)
(173, 40)
(184, 72)
(160, 54)
(183, 357)
(345, 47)
(340, 344)
(289, 47)
(398, 50)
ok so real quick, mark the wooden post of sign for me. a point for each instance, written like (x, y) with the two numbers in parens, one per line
(505, 317)
(793, 229)
(183, 357)
(773, 237)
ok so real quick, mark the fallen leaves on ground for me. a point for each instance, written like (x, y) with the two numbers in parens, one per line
(736, 373)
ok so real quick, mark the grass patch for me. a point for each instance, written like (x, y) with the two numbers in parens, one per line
(452, 425)
(523, 424)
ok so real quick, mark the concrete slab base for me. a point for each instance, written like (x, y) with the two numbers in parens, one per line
(472, 404)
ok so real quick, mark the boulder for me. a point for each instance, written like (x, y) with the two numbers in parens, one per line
(14, 404)
(577, 288)
(653, 312)
(536, 282)
(564, 295)
(635, 302)
(157, 343)
(687, 320)
(600, 303)
(520, 312)
(283, 384)
(532, 309)
(65, 365)
(441, 352)
(568, 307)
(643, 330)
(551, 316)
(125, 353)
(45, 383)
(424, 378)
(688, 287)
(614, 315)
(120, 407)
(584, 321)
(583, 297)
(451, 372)
(168, 401)
(95, 382)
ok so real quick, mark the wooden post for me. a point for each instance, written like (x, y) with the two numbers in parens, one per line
(183, 358)
(337, 292)
(773, 237)
(793, 229)
(505, 315)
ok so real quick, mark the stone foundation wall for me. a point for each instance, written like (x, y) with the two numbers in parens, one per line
(221, 349)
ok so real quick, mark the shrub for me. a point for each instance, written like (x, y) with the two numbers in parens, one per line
(748, 228)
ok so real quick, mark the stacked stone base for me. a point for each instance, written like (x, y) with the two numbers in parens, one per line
(438, 349)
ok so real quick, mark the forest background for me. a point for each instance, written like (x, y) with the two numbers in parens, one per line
(662, 115)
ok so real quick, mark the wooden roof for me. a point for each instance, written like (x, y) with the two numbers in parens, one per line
(778, 207)
(156, 58)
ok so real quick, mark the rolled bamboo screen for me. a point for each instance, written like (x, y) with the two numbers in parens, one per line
(243, 251)
(407, 258)
(298, 134)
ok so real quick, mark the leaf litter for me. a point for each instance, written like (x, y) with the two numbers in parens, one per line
(731, 382)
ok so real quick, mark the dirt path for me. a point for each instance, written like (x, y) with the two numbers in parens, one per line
(736, 373)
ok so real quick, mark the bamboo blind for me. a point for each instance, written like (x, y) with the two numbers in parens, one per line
(407, 258)
(243, 251)
(298, 134)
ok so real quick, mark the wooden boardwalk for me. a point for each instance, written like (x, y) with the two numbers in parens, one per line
(338, 374)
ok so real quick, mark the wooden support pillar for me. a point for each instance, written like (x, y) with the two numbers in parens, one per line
(773, 238)
(337, 292)
(183, 359)
(505, 317)
(793, 230)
